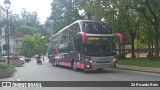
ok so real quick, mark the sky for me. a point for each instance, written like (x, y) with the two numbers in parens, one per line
(42, 7)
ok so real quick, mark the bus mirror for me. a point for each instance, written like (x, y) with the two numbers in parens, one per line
(120, 37)
(83, 35)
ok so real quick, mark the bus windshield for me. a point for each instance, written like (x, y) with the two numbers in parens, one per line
(96, 28)
(100, 48)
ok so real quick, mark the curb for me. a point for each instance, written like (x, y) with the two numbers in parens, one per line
(138, 68)
(5, 73)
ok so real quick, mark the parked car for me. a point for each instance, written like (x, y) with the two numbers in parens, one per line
(22, 58)
(2, 59)
(27, 59)
(5, 58)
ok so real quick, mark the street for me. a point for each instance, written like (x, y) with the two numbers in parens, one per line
(47, 72)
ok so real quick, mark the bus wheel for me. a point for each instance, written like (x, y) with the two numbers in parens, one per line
(74, 66)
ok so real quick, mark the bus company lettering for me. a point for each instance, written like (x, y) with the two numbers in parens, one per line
(15, 84)
(34, 85)
(145, 84)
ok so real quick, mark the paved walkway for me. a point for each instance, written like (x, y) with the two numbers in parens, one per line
(137, 68)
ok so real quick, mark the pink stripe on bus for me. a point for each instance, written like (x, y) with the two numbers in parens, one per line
(57, 51)
(83, 36)
(68, 64)
(120, 37)
(81, 66)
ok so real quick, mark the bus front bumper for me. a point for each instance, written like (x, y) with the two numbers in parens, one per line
(110, 64)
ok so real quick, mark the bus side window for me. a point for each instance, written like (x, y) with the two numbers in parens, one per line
(76, 28)
(78, 43)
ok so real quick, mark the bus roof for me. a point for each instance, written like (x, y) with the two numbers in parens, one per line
(78, 21)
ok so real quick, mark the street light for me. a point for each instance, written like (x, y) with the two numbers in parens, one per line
(36, 49)
(7, 6)
(42, 47)
(50, 27)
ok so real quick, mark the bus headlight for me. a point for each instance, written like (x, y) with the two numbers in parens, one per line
(87, 65)
(114, 59)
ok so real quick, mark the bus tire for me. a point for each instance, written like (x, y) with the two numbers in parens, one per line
(74, 66)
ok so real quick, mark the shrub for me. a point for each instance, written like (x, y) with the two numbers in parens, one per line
(133, 56)
(121, 56)
(4, 66)
(153, 58)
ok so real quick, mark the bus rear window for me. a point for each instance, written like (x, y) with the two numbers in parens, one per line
(96, 28)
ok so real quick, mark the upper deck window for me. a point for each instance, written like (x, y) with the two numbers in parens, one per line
(96, 28)
(75, 28)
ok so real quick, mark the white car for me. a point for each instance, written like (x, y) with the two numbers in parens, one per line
(3, 59)
(22, 59)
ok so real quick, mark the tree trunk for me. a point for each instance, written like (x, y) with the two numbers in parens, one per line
(149, 51)
(152, 48)
(133, 50)
(156, 41)
(119, 48)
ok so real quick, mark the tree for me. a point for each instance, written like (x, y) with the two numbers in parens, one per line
(63, 13)
(26, 29)
(33, 45)
(118, 13)
(128, 17)
(29, 18)
(39, 43)
(27, 48)
(26, 22)
(48, 27)
(150, 10)
(146, 36)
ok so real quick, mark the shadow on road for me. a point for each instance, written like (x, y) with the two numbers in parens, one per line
(110, 70)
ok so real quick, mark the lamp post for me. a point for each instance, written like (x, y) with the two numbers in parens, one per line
(42, 47)
(7, 6)
(49, 28)
(36, 49)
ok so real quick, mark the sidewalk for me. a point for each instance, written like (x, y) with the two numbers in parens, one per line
(137, 68)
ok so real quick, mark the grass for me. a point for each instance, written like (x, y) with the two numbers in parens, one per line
(4, 66)
(143, 62)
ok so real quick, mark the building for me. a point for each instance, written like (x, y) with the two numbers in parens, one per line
(15, 41)
(15, 37)
(2, 13)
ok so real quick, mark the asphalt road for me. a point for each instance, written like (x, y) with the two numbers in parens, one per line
(46, 72)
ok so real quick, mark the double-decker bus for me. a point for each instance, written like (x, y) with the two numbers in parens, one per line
(84, 44)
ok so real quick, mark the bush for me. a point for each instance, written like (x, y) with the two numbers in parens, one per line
(121, 56)
(4, 66)
(133, 56)
(153, 58)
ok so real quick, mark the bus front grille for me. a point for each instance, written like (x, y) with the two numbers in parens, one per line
(103, 61)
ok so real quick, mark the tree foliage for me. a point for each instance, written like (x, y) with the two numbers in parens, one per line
(27, 48)
(26, 29)
(63, 13)
(34, 44)
(26, 22)
(150, 10)
(128, 17)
